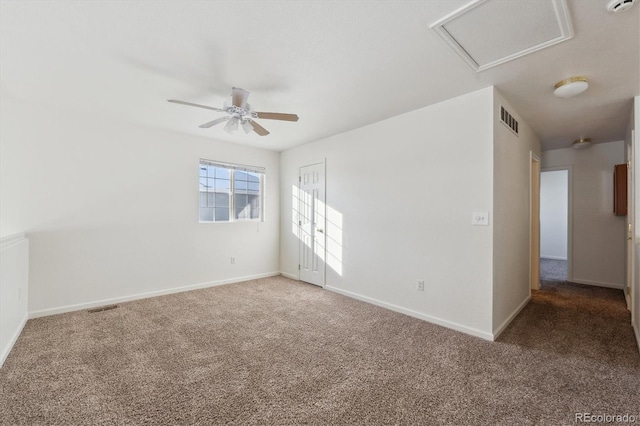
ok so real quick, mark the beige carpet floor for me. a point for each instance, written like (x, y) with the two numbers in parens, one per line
(278, 352)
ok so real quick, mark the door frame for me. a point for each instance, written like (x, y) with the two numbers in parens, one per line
(569, 169)
(324, 218)
(630, 224)
(534, 221)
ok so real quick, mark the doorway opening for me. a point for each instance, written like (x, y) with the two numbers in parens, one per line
(555, 225)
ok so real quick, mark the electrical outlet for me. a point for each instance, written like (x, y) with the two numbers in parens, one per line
(233, 260)
(420, 285)
(480, 219)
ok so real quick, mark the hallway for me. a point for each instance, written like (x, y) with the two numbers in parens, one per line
(553, 270)
(576, 320)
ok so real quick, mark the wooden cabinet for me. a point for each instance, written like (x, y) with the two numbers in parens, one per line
(620, 190)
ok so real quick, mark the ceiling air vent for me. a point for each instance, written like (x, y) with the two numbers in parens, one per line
(486, 33)
(508, 120)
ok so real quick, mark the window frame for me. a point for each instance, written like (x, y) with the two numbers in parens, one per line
(232, 169)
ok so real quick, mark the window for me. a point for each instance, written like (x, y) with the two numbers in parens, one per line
(230, 192)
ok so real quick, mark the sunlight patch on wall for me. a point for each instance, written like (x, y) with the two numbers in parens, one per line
(334, 240)
(295, 212)
(328, 244)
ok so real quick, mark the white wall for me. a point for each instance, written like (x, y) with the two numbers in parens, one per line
(14, 287)
(111, 209)
(554, 210)
(400, 195)
(511, 224)
(598, 236)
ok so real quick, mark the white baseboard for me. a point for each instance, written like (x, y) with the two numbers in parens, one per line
(552, 257)
(293, 277)
(597, 283)
(93, 304)
(14, 338)
(637, 333)
(415, 314)
(510, 318)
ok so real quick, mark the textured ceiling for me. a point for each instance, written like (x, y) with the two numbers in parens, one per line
(339, 65)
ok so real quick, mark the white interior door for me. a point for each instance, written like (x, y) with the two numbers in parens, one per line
(311, 224)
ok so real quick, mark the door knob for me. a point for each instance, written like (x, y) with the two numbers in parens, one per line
(320, 230)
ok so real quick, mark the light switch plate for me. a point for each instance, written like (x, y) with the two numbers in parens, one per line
(480, 219)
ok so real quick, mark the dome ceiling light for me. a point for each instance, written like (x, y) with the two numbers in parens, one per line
(570, 87)
(581, 143)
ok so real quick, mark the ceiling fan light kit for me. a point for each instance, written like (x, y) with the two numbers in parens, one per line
(232, 125)
(571, 87)
(247, 126)
(240, 113)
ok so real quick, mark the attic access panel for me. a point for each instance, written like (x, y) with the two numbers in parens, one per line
(486, 33)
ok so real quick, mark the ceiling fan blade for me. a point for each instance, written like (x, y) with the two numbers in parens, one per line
(239, 97)
(195, 105)
(277, 116)
(214, 122)
(259, 129)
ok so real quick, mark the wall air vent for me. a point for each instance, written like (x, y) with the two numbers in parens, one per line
(508, 120)
(486, 33)
(102, 309)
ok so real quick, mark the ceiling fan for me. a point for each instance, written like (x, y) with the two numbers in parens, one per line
(240, 113)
